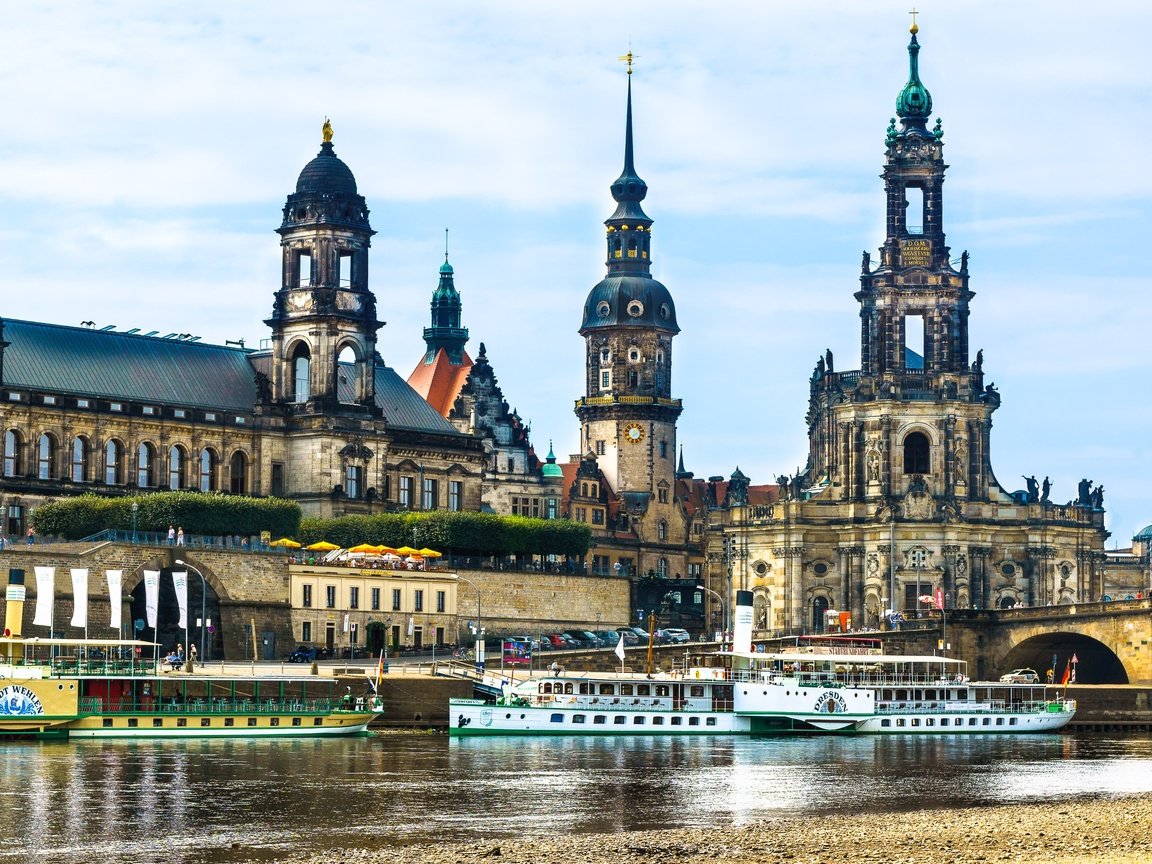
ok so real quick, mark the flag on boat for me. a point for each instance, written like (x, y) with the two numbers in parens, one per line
(151, 596)
(80, 597)
(45, 595)
(1067, 672)
(620, 648)
(180, 583)
(115, 579)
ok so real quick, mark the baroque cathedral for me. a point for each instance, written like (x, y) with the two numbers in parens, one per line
(898, 505)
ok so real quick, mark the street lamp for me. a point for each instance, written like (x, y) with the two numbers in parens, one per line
(478, 630)
(203, 606)
(723, 609)
(135, 510)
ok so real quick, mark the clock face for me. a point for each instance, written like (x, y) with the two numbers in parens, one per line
(633, 433)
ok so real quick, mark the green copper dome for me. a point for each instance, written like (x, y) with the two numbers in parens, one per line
(550, 468)
(914, 104)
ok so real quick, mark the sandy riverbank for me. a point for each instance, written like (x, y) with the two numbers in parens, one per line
(1084, 831)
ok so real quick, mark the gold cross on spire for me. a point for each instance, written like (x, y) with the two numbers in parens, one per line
(628, 58)
(914, 29)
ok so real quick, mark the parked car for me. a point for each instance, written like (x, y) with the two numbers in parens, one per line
(610, 638)
(641, 634)
(304, 654)
(673, 636)
(1020, 676)
(630, 637)
(585, 638)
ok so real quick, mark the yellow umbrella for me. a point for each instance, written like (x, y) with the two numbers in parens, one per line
(363, 548)
(322, 546)
(285, 543)
(405, 550)
(384, 550)
(430, 553)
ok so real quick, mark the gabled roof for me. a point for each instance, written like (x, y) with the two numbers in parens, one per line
(110, 365)
(440, 382)
(402, 406)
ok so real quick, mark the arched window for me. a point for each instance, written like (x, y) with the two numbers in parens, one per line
(113, 463)
(916, 453)
(662, 531)
(238, 473)
(348, 369)
(662, 568)
(46, 457)
(145, 466)
(208, 465)
(176, 475)
(11, 453)
(301, 373)
(79, 472)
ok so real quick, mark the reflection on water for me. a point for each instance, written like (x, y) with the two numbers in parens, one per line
(190, 801)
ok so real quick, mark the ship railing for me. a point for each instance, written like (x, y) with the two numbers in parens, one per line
(211, 706)
(994, 706)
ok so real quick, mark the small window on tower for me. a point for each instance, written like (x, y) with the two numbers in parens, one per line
(914, 214)
(605, 379)
(304, 266)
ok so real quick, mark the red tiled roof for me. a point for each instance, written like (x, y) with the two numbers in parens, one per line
(440, 382)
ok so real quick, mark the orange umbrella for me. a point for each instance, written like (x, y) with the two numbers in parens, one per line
(430, 553)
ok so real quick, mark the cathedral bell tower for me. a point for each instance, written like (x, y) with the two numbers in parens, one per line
(915, 418)
(324, 308)
(627, 415)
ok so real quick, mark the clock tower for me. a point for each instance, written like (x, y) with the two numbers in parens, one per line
(324, 310)
(627, 415)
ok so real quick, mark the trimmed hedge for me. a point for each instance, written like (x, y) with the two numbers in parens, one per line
(214, 515)
(462, 533)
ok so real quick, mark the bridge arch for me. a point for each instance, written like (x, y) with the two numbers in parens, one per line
(203, 606)
(1097, 663)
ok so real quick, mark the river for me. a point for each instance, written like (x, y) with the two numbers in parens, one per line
(212, 801)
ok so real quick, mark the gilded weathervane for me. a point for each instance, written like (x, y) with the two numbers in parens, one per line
(628, 58)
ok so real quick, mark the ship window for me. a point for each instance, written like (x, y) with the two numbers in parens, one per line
(181, 722)
(607, 689)
(205, 721)
(676, 721)
(557, 718)
(229, 721)
(657, 721)
(252, 721)
(625, 689)
(296, 721)
(317, 721)
(599, 720)
(157, 722)
(709, 721)
(275, 721)
(643, 690)
(107, 724)
(900, 721)
(971, 721)
(619, 721)
(885, 722)
(638, 721)
(693, 721)
(943, 721)
(579, 718)
(985, 721)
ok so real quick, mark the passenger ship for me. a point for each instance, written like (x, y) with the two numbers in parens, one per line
(76, 688)
(815, 688)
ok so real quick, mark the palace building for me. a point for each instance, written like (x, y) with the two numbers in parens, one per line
(898, 500)
(315, 416)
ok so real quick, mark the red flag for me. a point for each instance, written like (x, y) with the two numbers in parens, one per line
(939, 598)
(1067, 673)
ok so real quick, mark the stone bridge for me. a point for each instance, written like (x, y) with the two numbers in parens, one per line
(1112, 641)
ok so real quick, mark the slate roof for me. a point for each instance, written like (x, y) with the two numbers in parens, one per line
(111, 365)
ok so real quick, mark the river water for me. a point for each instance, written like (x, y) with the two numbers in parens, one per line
(213, 801)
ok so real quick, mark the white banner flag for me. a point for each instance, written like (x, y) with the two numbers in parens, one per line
(80, 597)
(151, 596)
(620, 648)
(45, 595)
(180, 583)
(115, 598)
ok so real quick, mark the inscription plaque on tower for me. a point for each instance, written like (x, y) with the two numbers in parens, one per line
(916, 253)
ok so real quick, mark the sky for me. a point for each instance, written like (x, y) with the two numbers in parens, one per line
(150, 146)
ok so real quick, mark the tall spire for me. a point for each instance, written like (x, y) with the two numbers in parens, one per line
(914, 104)
(446, 331)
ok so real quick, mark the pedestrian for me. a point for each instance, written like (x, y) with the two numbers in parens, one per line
(180, 536)
(31, 536)
(171, 536)
(192, 655)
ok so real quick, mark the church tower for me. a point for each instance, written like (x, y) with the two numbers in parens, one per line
(446, 331)
(324, 308)
(914, 420)
(627, 415)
